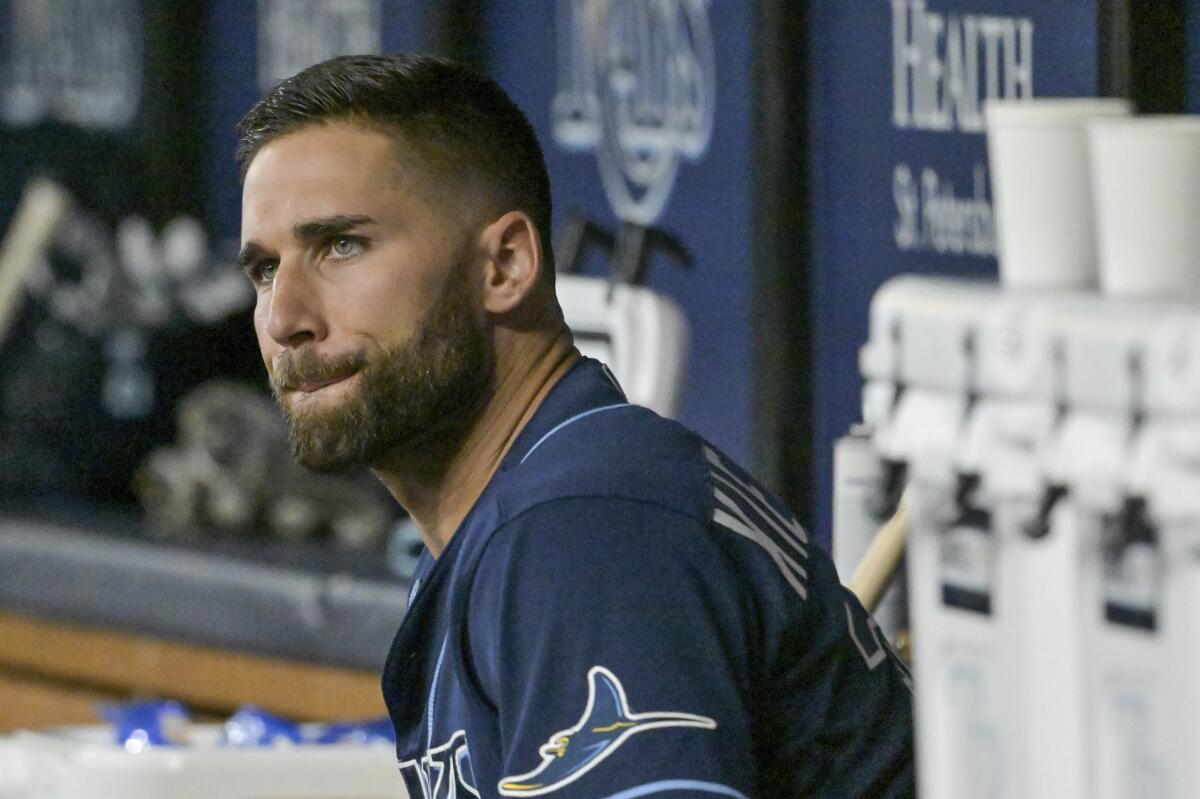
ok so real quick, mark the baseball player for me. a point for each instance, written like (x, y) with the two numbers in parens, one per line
(607, 605)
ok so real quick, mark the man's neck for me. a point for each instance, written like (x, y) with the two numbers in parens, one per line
(439, 492)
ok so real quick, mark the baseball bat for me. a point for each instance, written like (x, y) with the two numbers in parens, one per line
(43, 205)
(879, 564)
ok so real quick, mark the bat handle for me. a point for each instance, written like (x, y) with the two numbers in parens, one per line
(882, 558)
(43, 206)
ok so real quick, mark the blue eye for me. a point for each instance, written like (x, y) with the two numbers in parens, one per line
(344, 247)
(262, 272)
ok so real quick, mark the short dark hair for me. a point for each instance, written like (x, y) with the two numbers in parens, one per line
(461, 121)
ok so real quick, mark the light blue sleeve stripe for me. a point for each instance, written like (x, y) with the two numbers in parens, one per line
(437, 673)
(572, 420)
(678, 785)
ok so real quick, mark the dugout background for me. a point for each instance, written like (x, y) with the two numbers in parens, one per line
(789, 212)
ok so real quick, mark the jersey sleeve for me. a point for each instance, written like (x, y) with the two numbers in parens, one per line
(619, 651)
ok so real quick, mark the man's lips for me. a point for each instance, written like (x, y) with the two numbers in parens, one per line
(309, 386)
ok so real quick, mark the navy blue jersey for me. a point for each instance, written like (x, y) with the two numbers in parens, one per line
(623, 613)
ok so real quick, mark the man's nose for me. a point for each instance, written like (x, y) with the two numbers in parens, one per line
(294, 316)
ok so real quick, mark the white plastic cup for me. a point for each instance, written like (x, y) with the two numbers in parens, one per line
(1146, 177)
(1041, 189)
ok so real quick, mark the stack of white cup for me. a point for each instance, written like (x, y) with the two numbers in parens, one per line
(1146, 180)
(1042, 189)
(1087, 194)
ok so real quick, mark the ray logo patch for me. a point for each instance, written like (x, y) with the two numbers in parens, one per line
(606, 724)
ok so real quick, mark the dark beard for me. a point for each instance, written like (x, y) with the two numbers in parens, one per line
(422, 392)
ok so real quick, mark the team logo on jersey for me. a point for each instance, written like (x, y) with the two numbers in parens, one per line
(607, 722)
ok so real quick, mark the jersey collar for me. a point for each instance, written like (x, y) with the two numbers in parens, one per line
(586, 386)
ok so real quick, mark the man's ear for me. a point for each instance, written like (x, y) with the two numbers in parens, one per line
(514, 261)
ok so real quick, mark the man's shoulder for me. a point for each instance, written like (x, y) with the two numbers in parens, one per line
(627, 473)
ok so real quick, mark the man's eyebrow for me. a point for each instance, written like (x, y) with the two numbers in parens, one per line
(311, 230)
(251, 251)
(328, 226)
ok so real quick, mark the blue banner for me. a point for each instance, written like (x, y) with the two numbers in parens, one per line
(899, 163)
(645, 113)
(254, 45)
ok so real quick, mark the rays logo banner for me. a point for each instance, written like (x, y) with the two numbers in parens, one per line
(636, 85)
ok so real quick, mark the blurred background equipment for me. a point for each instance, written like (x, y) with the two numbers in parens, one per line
(231, 470)
(1052, 553)
(1047, 439)
(641, 334)
(107, 294)
(42, 207)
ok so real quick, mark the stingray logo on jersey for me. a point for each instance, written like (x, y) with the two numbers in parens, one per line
(443, 773)
(607, 722)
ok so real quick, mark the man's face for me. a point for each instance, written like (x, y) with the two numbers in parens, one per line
(368, 315)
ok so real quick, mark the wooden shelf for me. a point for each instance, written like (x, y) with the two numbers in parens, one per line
(27, 703)
(54, 673)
